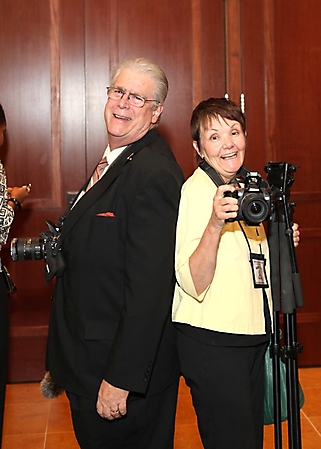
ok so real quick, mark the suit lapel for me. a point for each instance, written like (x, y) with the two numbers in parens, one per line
(100, 187)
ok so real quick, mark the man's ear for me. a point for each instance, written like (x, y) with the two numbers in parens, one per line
(157, 113)
(195, 145)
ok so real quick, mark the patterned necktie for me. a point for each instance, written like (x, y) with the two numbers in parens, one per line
(97, 172)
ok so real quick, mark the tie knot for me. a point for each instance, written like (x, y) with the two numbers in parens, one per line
(97, 172)
(103, 161)
(100, 168)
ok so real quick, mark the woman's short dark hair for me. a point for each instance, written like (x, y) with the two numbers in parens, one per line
(214, 108)
(2, 116)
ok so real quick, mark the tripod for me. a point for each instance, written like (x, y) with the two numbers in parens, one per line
(287, 296)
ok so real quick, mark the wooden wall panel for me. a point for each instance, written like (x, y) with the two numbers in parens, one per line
(152, 31)
(279, 86)
(53, 78)
(297, 112)
(55, 60)
(25, 92)
(166, 33)
(72, 93)
(100, 46)
(254, 82)
(209, 48)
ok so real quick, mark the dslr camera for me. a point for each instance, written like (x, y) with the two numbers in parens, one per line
(46, 246)
(254, 200)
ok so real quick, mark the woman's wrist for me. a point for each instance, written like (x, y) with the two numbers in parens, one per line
(16, 203)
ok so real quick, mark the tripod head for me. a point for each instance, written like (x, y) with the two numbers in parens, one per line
(280, 177)
(284, 272)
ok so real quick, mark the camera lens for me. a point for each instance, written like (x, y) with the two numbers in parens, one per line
(255, 209)
(27, 249)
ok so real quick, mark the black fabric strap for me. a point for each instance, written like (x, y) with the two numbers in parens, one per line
(216, 177)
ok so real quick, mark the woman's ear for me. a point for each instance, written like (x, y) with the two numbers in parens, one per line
(195, 145)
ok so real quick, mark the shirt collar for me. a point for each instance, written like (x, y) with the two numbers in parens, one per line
(113, 155)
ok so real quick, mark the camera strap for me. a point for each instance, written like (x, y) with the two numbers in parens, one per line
(216, 177)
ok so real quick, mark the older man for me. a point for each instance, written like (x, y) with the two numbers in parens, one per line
(111, 342)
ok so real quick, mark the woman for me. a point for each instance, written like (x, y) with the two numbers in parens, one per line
(10, 202)
(221, 309)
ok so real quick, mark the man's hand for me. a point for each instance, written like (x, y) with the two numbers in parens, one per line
(112, 401)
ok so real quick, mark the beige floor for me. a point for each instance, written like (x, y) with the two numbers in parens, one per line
(32, 422)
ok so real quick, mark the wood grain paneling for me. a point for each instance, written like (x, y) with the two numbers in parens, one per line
(233, 45)
(73, 94)
(211, 48)
(297, 110)
(26, 94)
(55, 61)
(254, 71)
(55, 162)
(101, 49)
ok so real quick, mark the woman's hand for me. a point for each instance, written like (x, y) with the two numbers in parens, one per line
(224, 207)
(296, 234)
(19, 193)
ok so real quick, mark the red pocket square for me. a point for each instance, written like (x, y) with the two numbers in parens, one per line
(106, 214)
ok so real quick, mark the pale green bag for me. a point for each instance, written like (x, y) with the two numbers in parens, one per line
(268, 390)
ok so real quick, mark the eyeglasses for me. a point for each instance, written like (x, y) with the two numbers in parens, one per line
(115, 93)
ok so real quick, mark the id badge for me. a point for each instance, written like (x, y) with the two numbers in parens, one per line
(258, 263)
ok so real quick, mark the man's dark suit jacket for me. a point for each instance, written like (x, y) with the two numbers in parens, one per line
(111, 307)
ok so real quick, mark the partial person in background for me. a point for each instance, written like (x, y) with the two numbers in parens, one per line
(111, 342)
(222, 308)
(10, 202)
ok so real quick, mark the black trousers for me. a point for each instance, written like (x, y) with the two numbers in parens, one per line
(4, 330)
(227, 387)
(149, 423)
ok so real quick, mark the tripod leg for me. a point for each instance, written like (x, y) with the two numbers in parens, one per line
(276, 381)
(293, 400)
